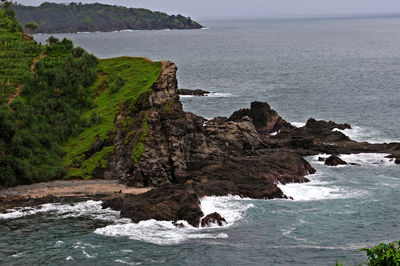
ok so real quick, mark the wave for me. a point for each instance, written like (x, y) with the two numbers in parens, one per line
(298, 124)
(363, 134)
(219, 94)
(231, 208)
(311, 191)
(88, 208)
(211, 95)
(361, 159)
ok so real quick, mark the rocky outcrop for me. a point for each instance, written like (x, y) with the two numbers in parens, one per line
(197, 92)
(334, 160)
(213, 218)
(264, 118)
(185, 157)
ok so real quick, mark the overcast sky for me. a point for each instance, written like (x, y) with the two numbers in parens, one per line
(253, 8)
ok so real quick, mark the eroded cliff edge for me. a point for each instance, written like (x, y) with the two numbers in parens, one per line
(185, 157)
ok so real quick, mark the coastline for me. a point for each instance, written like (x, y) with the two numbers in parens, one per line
(60, 190)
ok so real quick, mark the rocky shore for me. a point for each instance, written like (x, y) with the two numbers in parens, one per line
(186, 157)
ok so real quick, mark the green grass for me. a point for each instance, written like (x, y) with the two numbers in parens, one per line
(138, 74)
(16, 57)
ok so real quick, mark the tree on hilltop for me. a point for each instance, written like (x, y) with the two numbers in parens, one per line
(31, 27)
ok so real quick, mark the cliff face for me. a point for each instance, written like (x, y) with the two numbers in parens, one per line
(165, 145)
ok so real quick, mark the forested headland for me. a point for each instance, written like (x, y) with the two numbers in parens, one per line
(78, 17)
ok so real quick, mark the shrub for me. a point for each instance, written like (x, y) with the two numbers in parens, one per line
(383, 254)
(117, 85)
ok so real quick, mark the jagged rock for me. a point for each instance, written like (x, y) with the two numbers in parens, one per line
(334, 160)
(197, 92)
(213, 218)
(320, 124)
(263, 117)
(397, 161)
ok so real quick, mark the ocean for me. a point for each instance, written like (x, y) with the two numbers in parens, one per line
(341, 69)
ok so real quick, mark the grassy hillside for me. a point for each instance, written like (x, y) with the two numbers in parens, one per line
(53, 18)
(120, 80)
(56, 100)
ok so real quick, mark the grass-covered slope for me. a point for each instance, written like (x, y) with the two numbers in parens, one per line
(53, 18)
(16, 56)
(57, 101)
(120, 80)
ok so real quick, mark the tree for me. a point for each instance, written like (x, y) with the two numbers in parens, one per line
(31, 27)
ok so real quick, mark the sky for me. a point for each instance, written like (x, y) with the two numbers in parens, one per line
(253, 8)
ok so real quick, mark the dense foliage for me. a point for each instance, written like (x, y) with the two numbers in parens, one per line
(45, 109)
(384, 254)
(77, 17)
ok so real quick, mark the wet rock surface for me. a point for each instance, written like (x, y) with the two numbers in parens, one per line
(185, 157)
(334, 160)
(213, 218)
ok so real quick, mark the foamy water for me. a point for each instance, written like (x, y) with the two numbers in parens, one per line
(232, 208)
(88, 208)
(363, 134)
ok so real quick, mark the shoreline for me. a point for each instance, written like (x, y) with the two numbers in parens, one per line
(59, 190)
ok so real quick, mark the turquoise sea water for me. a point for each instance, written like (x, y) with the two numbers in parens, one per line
(341, 69)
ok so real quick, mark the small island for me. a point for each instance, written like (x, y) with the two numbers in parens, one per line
(78, 17)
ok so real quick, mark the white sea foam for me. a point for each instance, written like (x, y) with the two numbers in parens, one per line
(127, 263)
(187, 96)
(219, 94)
(88, 208)
(69, 258)
(310, 191)
(231, 208)
(298, 124)
(363, 134)
(58, 243)
(165, 233)
(362, 159)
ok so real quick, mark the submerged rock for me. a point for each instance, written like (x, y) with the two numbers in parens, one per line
(213, 218)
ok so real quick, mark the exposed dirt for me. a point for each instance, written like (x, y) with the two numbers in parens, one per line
(17, 92)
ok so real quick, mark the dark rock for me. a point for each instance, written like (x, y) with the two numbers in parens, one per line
(114, 203)
(197, 92)
(320, 124)
(397, 161)
(355, 164)
(263, 117)
(213, 218)
(321, 159)
(178, 225)
(334, 160)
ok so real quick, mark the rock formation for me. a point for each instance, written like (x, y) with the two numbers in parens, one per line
(185, 157)
(197, 92)
(334, 160)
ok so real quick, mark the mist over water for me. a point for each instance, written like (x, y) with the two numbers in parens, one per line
(346, 70)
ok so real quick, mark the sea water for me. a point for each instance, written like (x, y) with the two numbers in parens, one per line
(341, 69)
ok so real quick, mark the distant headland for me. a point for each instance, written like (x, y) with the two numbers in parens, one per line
(78, 17)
